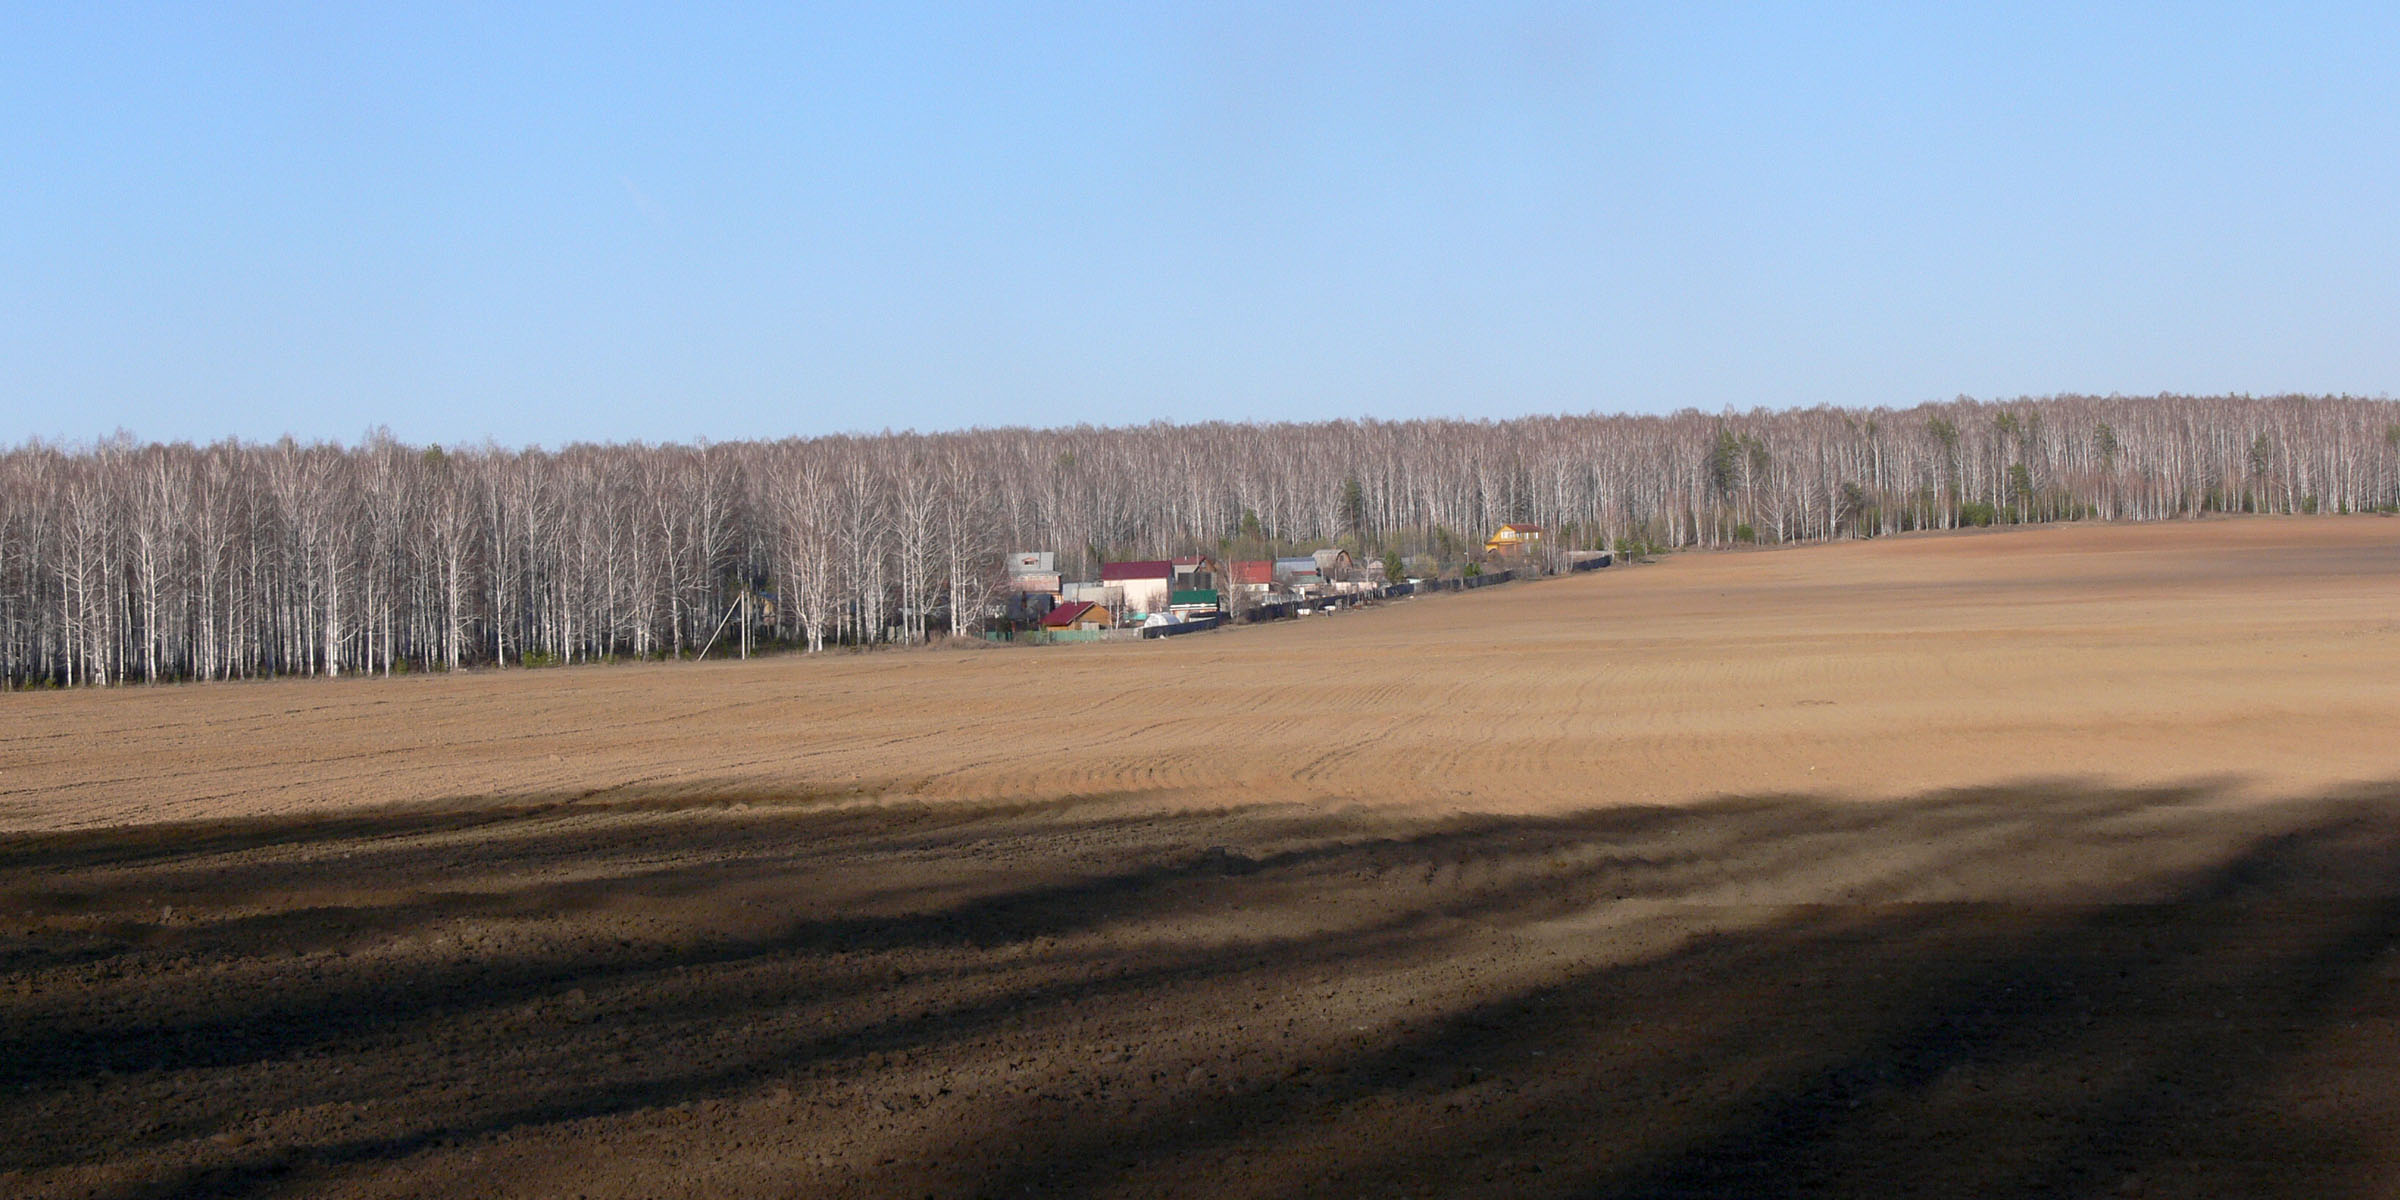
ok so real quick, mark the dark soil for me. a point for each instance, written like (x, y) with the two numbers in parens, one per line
(2036, 992)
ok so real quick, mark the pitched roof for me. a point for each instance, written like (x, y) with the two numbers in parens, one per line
(1118, 572)
(1254, 570)
(1069, 613)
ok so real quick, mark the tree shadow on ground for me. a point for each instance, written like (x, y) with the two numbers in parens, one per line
(2047, 988)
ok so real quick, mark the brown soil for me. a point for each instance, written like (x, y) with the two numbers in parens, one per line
(2036, 863)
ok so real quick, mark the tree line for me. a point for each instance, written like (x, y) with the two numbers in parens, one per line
(125, 561)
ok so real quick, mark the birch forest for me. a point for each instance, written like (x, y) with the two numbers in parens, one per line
(127, 562)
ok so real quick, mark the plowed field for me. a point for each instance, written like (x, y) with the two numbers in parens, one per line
(2051, 862)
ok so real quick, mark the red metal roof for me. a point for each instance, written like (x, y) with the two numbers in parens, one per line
(1119, 572)
(1254, 570)
(1067, 614)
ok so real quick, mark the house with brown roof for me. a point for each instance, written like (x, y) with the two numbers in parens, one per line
(1196, 571)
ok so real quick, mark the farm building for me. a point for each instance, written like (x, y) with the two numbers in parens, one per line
(1333, 564)
(1513, 537)
(1079, 615)
(1146, 585)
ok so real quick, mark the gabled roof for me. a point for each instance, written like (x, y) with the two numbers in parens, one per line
(1520, 527)
(1119, 572)
(1254, 570)
(1069, 613)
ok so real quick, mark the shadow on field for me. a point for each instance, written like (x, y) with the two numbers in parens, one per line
(2043, 989)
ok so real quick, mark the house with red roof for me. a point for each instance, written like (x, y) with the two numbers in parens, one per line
(1254, 577)
(1079, 615)
(1146, 585)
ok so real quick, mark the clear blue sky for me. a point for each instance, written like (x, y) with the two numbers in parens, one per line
(612, 223)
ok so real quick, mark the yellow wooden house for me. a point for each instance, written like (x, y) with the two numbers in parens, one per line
(1513, 537)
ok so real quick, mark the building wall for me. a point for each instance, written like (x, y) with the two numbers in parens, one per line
(1143, 595)
(1107, 595)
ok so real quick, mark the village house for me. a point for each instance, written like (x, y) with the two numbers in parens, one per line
(1033, 571)
(1079, 615)
(1255, 576)
(1145, 586)
(1029, 588)
(1513, 538)
(1195, 592)
(1196, 571)
(1297, 573)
